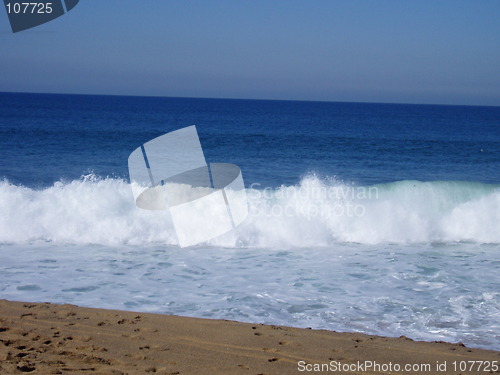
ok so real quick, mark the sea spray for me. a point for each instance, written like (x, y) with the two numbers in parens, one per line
(315, 212)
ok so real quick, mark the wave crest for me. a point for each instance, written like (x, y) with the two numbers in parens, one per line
(314, 213)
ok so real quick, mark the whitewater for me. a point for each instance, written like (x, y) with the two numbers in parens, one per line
(316, 212)
(405, 258)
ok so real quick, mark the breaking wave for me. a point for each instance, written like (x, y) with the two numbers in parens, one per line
(314, 213)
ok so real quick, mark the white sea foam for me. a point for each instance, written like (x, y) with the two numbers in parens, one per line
(313, 213)
(419, 258)
(431, 292)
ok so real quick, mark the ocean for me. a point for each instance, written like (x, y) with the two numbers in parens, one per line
(374, 218)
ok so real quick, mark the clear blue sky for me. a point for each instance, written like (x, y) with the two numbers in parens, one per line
(421, 51)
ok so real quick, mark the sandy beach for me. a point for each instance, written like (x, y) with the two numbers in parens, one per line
(43, 338)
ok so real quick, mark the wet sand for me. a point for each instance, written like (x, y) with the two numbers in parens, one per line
(43, 338)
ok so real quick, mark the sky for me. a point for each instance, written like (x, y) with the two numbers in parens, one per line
(396, 51)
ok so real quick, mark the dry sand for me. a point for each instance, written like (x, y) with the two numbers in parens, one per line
(42, 338)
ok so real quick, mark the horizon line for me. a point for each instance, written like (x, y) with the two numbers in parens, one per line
(248, 99)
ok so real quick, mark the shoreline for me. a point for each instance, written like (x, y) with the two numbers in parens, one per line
(45, 338)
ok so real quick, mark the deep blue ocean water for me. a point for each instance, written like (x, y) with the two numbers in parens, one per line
(45, 138)
(419, 258)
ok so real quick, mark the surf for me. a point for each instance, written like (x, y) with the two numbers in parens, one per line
(316, 212)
